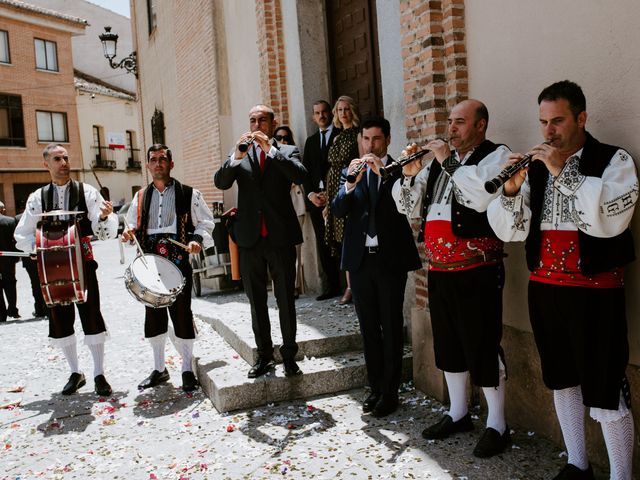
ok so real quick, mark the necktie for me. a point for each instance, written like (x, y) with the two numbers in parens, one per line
(323, 140)
(373, 200)
(263, 223)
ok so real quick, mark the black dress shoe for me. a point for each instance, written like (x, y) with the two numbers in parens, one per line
(492, 443)
(155, 379)
(261, 367)
(102, 387)
(291, 368)
(386, 405)
(189, 382)
(327, 295)
(13, 313)
(370, 402)
(571, 472)
(76, 380)
(447, 426)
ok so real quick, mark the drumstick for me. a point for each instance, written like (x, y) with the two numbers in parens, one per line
(135, 239)
(179, 244)
(14, 254)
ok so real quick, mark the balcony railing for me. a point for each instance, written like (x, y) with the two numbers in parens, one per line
(133, 158)
(103, 158)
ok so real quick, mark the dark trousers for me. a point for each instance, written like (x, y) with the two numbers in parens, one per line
(62, 317)
(280, 263)
(39, 305)
(8, 284)
(156, 320)
(330, 265)
(378, 295)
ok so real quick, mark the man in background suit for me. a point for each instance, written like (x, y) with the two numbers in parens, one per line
(378, 251)
(266, 230)
(316, 150)
(7, 267)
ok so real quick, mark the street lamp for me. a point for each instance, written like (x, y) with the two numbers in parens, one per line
(109, 44)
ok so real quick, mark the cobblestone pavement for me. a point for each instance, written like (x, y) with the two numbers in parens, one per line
(166, 434)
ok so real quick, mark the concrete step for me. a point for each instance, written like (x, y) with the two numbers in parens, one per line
(324, 328)
(223, 374)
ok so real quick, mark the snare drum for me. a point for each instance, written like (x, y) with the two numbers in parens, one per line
(157, 283)
(60, 265)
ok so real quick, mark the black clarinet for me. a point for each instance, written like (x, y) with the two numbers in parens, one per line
(493, 185)
(400, 162)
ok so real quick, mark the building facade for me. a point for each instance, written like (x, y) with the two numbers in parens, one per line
(203, 64)
(37, 96)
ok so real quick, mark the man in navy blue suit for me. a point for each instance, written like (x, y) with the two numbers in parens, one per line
(378, 251)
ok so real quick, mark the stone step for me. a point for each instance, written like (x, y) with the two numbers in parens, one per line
(324, 328)
(223, 374)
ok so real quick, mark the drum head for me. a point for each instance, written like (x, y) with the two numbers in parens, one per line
(159, 275)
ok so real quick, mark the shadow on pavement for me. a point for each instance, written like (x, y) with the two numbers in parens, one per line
(165, 400)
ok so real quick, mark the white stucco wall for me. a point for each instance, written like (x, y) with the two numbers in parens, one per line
(515, 49)
(113, 115)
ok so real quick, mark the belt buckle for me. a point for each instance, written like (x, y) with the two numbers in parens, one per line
(372, 249)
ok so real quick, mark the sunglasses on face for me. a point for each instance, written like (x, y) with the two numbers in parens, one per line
(280, 138)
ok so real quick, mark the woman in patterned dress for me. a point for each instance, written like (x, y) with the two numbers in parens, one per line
(345, 148)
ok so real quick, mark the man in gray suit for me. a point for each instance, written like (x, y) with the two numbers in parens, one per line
(266, 230)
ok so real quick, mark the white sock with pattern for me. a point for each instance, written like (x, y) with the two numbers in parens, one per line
(97, 352)
(618, 436)
(157, 345)
(457, 387)
(70, 352)
(570, 412)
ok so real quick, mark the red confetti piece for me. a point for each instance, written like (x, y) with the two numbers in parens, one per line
(231, 427)
(310, 408)
(152, 476)
(291, 426)
(204, 466)
(7, 446)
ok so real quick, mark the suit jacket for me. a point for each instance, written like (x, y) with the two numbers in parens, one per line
(7, 242)
(395, 237)
(266, 193)
(315, 161)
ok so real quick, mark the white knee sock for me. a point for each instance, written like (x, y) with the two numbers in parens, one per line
(617, 429)
(157, 345)
(457, 386)
(97, 352)
(70, 351)
(495, 405)
(185, 349)
(570, 412)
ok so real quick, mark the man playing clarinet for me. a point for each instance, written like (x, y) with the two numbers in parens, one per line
(96, 218)
(466, 274)
(573, 208)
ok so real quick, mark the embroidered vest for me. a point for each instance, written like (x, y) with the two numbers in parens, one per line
(465, 222)
(596, 254)
(76, 202)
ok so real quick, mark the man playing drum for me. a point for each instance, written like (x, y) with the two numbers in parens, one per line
(96, 218)
(167, 209)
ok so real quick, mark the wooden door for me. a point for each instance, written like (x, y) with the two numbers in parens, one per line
(353, 53)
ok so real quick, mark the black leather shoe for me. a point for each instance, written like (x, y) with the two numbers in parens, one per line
(261, 367)
(13, 313)
(76, 380)
(155, 379)
(370, 402)
(492, 443)
(386, 405)
(102, 387)
(327, 295)
(447, 426)
(189, 382)
(291, 368)
(571, 472)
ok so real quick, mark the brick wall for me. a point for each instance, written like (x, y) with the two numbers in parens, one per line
(196, 84)
(435, 75)
(273, 68)
(39, 90)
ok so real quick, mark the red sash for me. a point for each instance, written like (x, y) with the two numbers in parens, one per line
(560, 263)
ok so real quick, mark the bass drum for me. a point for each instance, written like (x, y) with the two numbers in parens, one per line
(154, 281)
(60, 266)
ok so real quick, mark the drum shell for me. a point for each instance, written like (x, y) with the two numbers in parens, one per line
(60, 264)
(144, 293)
